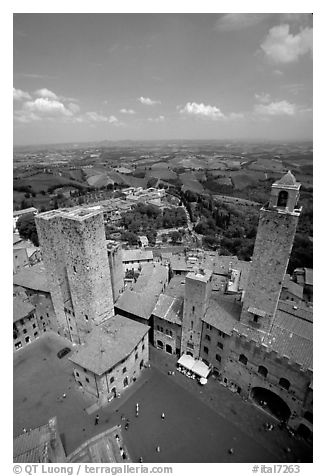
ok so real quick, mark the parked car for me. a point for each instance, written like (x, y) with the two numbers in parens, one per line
(63, 352)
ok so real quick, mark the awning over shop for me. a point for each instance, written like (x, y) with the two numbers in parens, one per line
(196, 366)
(200, 369)
(186, 361)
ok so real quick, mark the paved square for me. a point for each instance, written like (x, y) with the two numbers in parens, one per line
(190, 432)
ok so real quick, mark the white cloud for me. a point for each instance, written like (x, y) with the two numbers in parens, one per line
(201, 110)
(239, 21)
(19, 95)
(127, 111)
(156, 119)
(25, 117)
(45, 93)
(263, 97)
(283, 47)
(95, 117)
(47, 107)
(148, 101)
(280, 108)
(74, 108)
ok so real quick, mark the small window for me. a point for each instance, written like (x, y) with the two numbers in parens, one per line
(284, 383)
(136, 355)
(143, 347)
(218, 358)
(111, 379)
(207, 337)
(75, 269)
(243, 359)
(193, 309)
(35, 334)
(262, 371)
(221, 334)
(87, 380)
(220, 345)
(190, 345)
(209, 327)
(86, 317)
(77, 373)
(41, 317)
(34, 326)
(25, 331)
(27, 339)
(71, 328)
(47, 314)
(206, 350)
(124, 370)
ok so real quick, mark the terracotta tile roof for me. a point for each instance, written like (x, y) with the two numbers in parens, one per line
(169, 308)
(108, 344)
(141, 299)
(21, 308)
(291, 335)
(303, 312)
(32, 278)
(222, 312)
(40, 445)
(136, 255)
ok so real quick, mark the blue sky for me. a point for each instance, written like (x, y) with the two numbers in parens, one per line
(81, 77)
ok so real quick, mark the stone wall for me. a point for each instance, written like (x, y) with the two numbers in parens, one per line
(272, 251)
(247, 375)
(197, 292)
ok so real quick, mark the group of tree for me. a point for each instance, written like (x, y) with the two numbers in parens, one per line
(27, 228)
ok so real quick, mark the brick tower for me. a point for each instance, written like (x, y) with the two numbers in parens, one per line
(197, 292)
(75, 257)
(277, 226)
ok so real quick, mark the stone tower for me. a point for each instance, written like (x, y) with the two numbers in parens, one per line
(75, 257)
(197, 292)
(277, 226)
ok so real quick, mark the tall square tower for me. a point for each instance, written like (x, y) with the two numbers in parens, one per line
(197, 292)
(276, 230)
(75, 257)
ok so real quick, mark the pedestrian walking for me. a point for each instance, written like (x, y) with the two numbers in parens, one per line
(231, 451)
(158, 449)
(141, 459)
(162, 416)
(97, 418)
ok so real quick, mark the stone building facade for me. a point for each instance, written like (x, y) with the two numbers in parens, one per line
(25, 325)
(112, 358)
(197, 292)
(75, 257)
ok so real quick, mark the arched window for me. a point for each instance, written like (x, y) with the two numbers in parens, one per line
(243, 359)
(282, 198)
(160, 344)
(262, 371)
(284, 383)
(169, 349)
